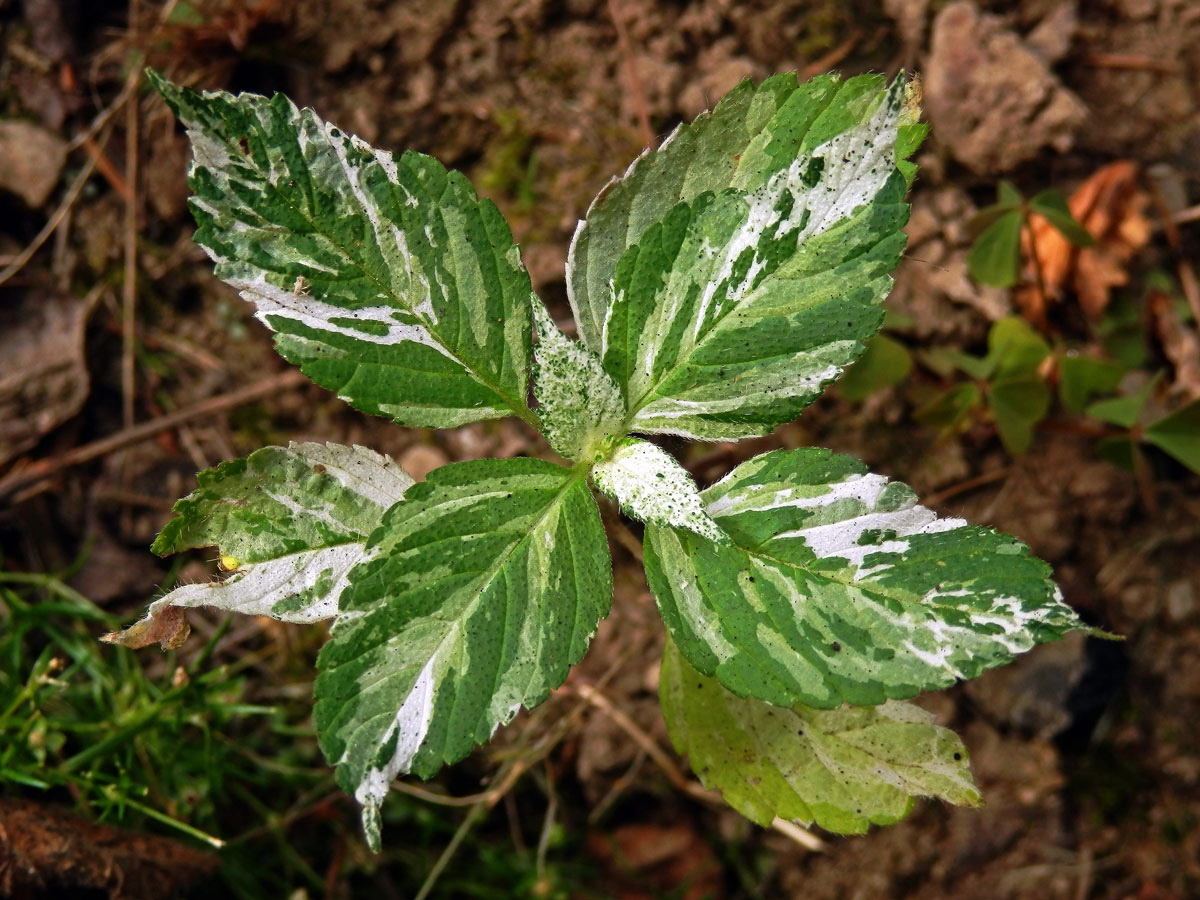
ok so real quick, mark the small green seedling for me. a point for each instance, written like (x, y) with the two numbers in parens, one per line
(995, 256)
(1007, 382)
(1010, 386)
(717, 287)
(1177, 433)
(884, 363)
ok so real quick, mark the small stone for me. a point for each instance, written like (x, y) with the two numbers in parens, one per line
(1181, 599)
(31, 159)
(1053, 36)
(993, 101)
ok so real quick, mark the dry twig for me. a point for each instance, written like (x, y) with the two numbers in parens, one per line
(681, 782)
(30, 475)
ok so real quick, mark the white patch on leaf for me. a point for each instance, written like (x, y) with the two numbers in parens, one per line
(371, 475)
(408, 728)
(653, 487)
(272, 300)
(677, 408)
(756, 497)
(842, 539)
(256, 589)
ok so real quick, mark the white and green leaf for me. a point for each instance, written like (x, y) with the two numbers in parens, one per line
(580, 406)
(734, 310)
(479, 593)
(290, 522)
(652, 487)
(843, 769)
(754, 132)
(835, 586)
(385, 278)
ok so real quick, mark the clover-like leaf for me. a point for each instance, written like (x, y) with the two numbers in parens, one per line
(1179, 435)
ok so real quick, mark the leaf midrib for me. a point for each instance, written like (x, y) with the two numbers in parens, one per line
(487, 575)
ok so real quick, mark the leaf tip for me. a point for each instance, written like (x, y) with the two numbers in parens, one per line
(168, 627)
(372, 827)
(167, 88)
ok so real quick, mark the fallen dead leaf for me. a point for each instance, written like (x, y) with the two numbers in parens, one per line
(43, 379)
(1111, 205)
(31, 159)
(168, 628)
(1180, 343)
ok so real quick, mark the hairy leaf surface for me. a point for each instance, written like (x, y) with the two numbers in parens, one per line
(386, 279)
(843, 769)
(479, 591)
(291, 522)
(579, 403)
(836, 586)
(652, 487)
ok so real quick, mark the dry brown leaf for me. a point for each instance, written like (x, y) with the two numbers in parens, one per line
(1111, 206)
(168, 628)
(1180, 343)
(43, 375)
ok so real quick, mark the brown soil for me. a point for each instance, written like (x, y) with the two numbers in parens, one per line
(1086, 751)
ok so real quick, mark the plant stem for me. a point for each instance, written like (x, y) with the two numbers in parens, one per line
(473, 816)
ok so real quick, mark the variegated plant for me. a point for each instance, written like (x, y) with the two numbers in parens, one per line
(717, 287)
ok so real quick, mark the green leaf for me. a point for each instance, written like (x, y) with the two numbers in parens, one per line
(1124, 411)
(386, 279)
(1008, 195)
(1018, 403)
(1119, 449)
(754, 132)
(976, 367)
(1052, 206)
(843, 769)
(732, 311)
(995, 257)
(836, 586)
(580, 404)
(1179, 435)
(908, 138)
(886, 362)
(479, 592)
(1081, 377)
(1014, 348)
(949, 408)
(652, 487)
(290, 522)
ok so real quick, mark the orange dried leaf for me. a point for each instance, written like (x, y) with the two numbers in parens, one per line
(168, 628)
(1110, 205)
